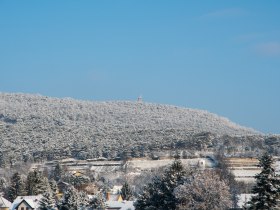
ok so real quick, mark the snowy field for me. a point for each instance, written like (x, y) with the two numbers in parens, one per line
(243, 198)
(149, 164)
(135, 165)
(244, 169)
(244, 172)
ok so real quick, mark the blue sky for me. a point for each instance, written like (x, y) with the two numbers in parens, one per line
(220, 56)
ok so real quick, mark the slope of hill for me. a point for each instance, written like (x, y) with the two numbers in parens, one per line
(39, 127)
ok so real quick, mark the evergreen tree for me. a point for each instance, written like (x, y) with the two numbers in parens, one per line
(3, 184)
(70, 199)
(159, 194)
(17, 187)
(126, 192)
(151, 198)
(2, 160)
(77, 181)
(36, 183)
(227, 176)
(267, 188)
(173, 176)
(83, 200)
(47, 202)
(57, 172)
(53, 186)
(97, 202)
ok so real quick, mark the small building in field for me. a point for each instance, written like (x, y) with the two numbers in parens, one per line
(201, 164)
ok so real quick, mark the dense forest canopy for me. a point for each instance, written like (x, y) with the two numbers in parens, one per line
(35, 127)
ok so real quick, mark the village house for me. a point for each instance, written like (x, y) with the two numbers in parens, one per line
(114, 200)
(26, 203)
(116, 205)
(113, 197)
(4, 204)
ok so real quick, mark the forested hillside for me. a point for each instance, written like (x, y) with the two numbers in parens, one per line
(35, 127)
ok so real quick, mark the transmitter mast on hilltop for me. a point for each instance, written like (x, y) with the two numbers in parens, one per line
(140, 99)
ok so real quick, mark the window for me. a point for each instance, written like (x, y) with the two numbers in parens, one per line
(22, 208)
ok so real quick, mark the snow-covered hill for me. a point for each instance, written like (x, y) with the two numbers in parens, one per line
(24, 110)
(34, 124)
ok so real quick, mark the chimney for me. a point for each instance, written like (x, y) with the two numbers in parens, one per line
(107, 196)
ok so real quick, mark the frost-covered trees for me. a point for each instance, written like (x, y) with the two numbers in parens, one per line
(3, 184)
(70, 199)
(16, 187)
(2, 160)
(53, 186)
(57, 172)
(36, 183)
(77, 181)
(74, 200)
(159, 193)
(47, 202)
(97, 202)
(83, 200)
(149, 199)
(37, 128)
(172, 177)
(227, 176)
(126, 192)
(267, 188)
(179, 188)
(203, 191)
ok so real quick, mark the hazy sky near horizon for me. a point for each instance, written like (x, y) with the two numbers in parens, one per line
(220, 56)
